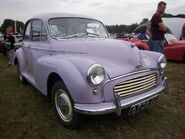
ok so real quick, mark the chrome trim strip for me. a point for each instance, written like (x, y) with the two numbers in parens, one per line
(134, 84)
(138, 79)
(128, 74)
(131, 89)
(122, 94)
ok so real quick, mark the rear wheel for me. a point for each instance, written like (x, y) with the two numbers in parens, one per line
(63, 106)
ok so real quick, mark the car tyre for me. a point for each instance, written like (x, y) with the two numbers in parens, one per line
(63, 106)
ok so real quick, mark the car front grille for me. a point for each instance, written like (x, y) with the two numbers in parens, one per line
(135, 85)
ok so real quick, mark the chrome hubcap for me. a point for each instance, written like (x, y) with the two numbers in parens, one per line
(63, 105)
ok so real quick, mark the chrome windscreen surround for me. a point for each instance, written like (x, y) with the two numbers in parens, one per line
(135, 85)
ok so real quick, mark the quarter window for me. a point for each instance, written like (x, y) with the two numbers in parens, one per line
(36, 30)
(27, 32)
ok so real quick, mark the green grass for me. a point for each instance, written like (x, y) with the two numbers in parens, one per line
(25, 113)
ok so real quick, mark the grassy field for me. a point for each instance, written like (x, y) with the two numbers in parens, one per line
(25, 113)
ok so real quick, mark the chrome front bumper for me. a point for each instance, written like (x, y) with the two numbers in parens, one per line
(118, 104)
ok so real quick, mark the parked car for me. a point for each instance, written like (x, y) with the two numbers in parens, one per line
(174, 49)
(71, 59)
(2, 47)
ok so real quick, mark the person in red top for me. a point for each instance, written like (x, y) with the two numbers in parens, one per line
(182, 37)
(157, 29)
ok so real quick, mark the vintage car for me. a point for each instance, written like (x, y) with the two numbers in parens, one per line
(71, 59)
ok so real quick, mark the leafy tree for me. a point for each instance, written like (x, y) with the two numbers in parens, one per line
(181, 15)
(145, 20)
(121, 28)
(170, 15)
(10, 22)
(20, 26)
(6, 23)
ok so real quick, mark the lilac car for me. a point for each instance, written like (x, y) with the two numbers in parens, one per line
(72, 59)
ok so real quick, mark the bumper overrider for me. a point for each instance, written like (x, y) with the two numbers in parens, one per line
(118, 104)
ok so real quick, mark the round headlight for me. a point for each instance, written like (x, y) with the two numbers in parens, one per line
(162, 62)
(95, 74)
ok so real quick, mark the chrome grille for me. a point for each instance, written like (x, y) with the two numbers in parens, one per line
(136, 85)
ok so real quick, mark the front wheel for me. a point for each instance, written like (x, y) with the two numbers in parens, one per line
(63, 106)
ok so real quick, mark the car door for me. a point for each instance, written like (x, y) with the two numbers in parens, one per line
(26, 50)
(39, 45)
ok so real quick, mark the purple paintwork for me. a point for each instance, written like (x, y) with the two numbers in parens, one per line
(71, 58)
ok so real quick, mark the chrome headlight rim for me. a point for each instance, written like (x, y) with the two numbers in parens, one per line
(162, 62)
(91, 70)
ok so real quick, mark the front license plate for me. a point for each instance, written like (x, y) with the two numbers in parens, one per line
(141, 106)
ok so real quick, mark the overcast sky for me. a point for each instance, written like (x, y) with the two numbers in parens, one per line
(110, 12)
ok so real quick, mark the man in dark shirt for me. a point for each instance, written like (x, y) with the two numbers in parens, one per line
(157, 29)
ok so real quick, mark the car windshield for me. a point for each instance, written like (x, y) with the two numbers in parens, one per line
(65, 28)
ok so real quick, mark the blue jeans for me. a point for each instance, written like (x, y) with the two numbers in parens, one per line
(156, 45)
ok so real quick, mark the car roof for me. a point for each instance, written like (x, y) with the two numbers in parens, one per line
(47, 16)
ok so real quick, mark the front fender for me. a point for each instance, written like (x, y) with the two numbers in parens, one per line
(19, 56)
(150, 58)
(72, 75)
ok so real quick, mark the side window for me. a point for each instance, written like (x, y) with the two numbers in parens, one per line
(27, 32)
(36, 30)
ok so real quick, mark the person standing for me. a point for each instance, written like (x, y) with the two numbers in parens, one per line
(9, 45)
(157, 29)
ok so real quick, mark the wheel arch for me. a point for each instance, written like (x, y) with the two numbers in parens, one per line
(52, 79)
(15, 61)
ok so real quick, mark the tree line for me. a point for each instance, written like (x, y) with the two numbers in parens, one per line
(110, 28)
(130, 28)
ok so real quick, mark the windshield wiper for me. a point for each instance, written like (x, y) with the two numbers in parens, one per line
(94, 34)
(77, 35)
